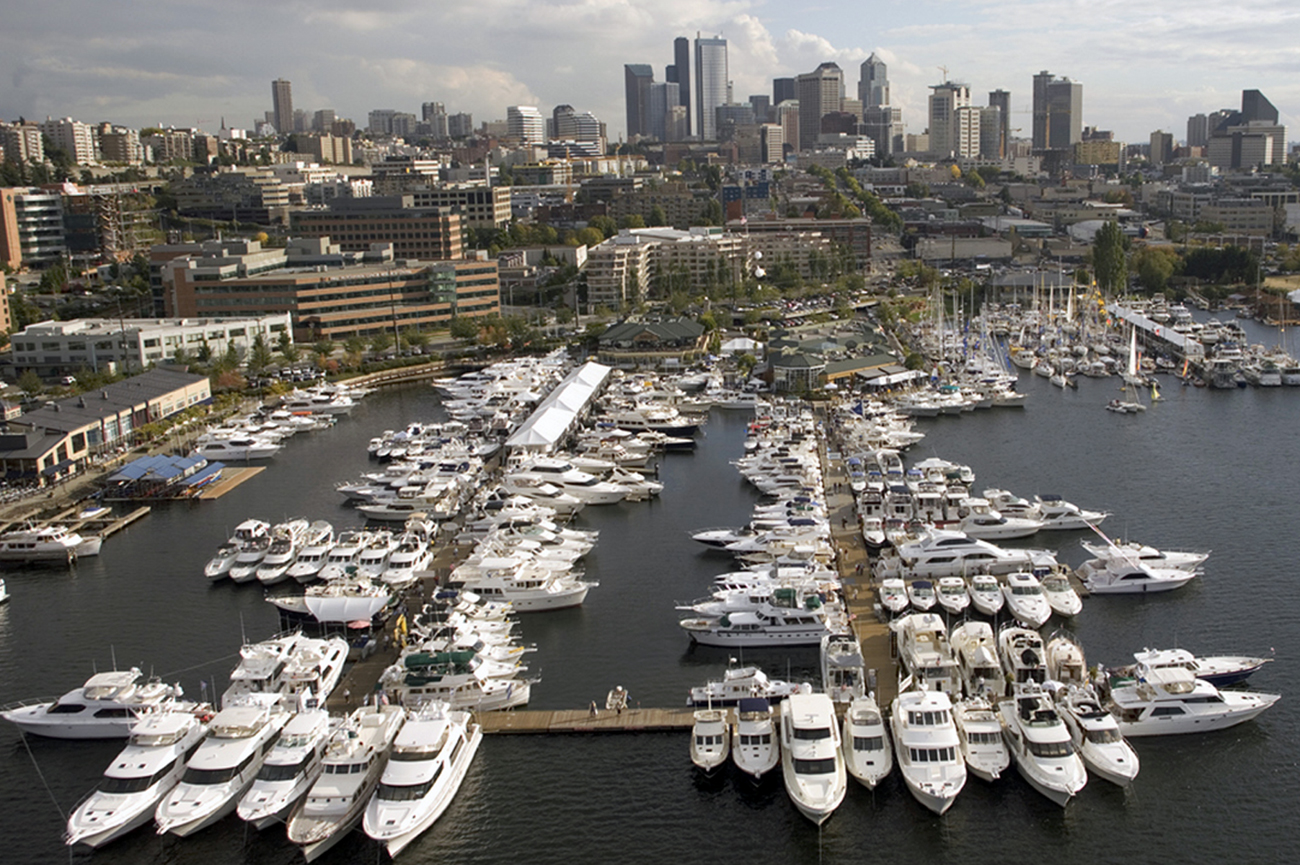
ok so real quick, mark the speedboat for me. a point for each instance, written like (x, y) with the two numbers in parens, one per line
(223, 767)
(105, 707)
(953, 597)
(979, 735)
(920, 594)
(354, 760)
(986, 594)
(710, 739)
(1096, 736)
(927, 748)
(289, 771)
(739, 683)
(843, 673)
(1025, 600)
(1170, 700)
(812, 763)
(754, 746)
(148, 767)
(1060, 595)
(1123, 577)
(431, 756)
(1040, 744)
(893, 595)
(868, 754)
(1217, 669)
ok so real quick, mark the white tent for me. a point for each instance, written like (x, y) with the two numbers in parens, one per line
(741, 343)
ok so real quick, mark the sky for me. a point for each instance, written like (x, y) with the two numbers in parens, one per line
(184, 63)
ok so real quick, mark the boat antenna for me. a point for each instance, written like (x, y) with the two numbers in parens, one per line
(112, 652)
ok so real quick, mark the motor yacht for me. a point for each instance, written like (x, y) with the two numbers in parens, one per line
(920, 594)
(528, 586)
(1170, 700)
(1057, 514)
(979, 735)
(290, 769)
(1025, 600)
(343, 555)
(429, 761)
(1061, 596)
(48, 543)
(1022, 655)
(812, 763)
(925, 652)
(1064, 658)
(313, 553)
(944, 553)
(977, 660)
(868, 752)
(289, 666)
(843, 671)
(287, 539)
(927, 748)
(952, 595)
(1110, 576)
(107, 706)
(223, 767)
(1040, 744)
(1132, 551)
(1095, 735)
(789, 618)
(453, 678)
(979, 519)
(710, 739)
(236, 449)
(893, 595)
(350, 599)
(739, 683)
(754, 746)
(1217, 669)
(354, 761)
(585, 487)
(250, 555)
(413, 554)
(986, 594)
(145, 771)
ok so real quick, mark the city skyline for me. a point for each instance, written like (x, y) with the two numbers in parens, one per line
(1141, 71)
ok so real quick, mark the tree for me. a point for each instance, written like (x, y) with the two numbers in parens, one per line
(589, 236)
(657, 216)
(1154, 266)
(355, 344)
(321, 351)
(381, 342)
(463, 327)
(633, 220)
(260, 357)
(604, 224)
(30, 382)
(1108, 258)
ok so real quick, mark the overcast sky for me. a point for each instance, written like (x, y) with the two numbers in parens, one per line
(1143, 66)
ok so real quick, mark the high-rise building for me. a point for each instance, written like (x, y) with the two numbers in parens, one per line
(282, 106)
(435, 114)
(460, 125)
(1162, 147)
(991, 133)
(323, 120)
(1058, 112)
(75, 138)
(682, 68)
(1198, 130)
(883, 124)
(663, 98)
(873, 83)
(946, 124)
(820, 92)
(1001, 100)
(783, 89)
(1256, 108)
(525, 124)
(1248, 138)
(762, 105)
(637, 78)
(711, 84)
(787, 117)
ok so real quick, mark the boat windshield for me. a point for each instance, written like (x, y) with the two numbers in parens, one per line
(812, 733)
(407, 792)
(1104, 736)
(1050, 749)
(815, 767)
(282, 771)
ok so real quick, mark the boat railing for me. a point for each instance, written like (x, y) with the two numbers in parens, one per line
(27, 703)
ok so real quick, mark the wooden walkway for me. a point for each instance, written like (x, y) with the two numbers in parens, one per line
(522, 721)
(230, 478)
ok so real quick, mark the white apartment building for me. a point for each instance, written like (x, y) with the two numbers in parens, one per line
(525, 124)
(77, 138)
(621, 270)
(64, 347)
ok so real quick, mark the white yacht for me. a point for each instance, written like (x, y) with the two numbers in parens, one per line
(920, 594)
(812, 762)
(236, 449)
(953, 596)
(105, 707)
(1063, 656)
(148, 767)
(754, 746)
(927, 749)
(287, 539)
(945, 553)
(1025, 600)
(986, 594)
(1040, 744)
(710, 739)
(1096, 736)
(1169, 700)
(250, 555)
(782, 620)
(739, 683)
(528, 586)
(1147, 555)
(1215, 669)
(1111, 576)
(1022, 655)
(289, 771)
(924, 650)
(979, 734)
(225, 764)
(977, 660)
(452, 677)
(981, 520)
(893, 595)
(50, 543)
(585, 487)
(373, 558)
(312, 555)
(430, 758)
(1057, 514)
(353, 764)
(541, 492)
(868, 753)
(351, 599)
(844, 676)
(290, 665)
(412, 555)
(1061, 596)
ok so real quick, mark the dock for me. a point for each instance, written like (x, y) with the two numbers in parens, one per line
(230, 478)
(575, 721)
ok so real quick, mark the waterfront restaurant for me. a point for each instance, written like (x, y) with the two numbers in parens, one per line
(58, 440)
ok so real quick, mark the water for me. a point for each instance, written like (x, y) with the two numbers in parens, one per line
(1202, 469)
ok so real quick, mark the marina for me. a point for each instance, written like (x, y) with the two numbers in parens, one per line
(626, 632)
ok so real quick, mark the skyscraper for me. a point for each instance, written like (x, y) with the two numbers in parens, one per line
(282, 106)
(782, 89)
(820, 92)
(949, 124)
(873, 83)
(1058, 112)
(1001, 100)
(682, 67)
(525, 124)
(1256, 108)
(1198, 130)
(710, 84)
(637, 78)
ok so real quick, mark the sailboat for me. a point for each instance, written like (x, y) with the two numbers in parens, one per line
(1132, 378)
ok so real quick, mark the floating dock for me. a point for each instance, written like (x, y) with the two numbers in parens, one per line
(230, 478)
